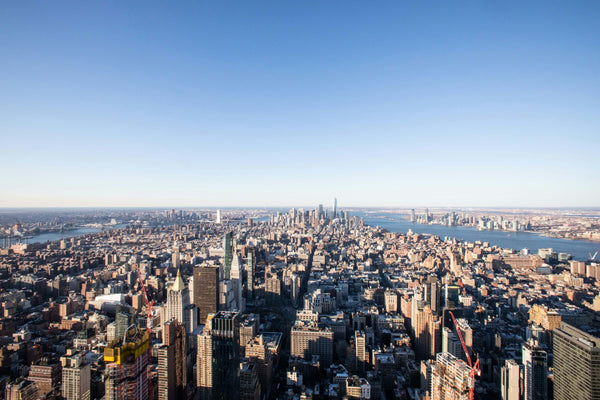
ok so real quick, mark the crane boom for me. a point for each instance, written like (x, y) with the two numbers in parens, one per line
(462, 340)
(474, 368)
(149, 304)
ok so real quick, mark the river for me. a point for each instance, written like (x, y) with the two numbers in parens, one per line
(53, 236)
(578, 249)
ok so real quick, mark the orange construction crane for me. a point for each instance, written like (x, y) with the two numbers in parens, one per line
(474, 368)
(149, 304)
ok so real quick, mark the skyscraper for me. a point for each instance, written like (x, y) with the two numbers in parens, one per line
(127, 366)
(334, 208)
(236, 276)
(178, 301)
(576, 364)
(172, 368)
(250, 269)
(361, 351)
(218, 219)
(431, 291)
(218, 357)
(76, 376)
(510, 384)
(175, 258)
(206, 290)
(426, 329)
(228, 257)
(451, 293)
(123, 321)
(535, 371)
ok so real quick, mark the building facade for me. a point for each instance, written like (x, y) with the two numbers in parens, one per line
(535, 371)
(76, 376)
(127, 367)
(206, 291)
(576, 364)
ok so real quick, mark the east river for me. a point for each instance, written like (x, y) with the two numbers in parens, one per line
(579, 249)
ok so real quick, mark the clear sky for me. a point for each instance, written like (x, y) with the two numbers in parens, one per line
(253, 103)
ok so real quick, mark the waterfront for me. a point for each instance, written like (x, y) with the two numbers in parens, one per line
(578, 249)
(52, 236)
(67, 234)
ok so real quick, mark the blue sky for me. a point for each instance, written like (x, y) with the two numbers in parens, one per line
(282, 103)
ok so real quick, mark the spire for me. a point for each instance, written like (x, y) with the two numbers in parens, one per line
(179, 285)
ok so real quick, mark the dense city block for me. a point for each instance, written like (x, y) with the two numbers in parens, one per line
(298, 304)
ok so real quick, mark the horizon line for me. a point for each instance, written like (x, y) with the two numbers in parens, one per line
(402, 207)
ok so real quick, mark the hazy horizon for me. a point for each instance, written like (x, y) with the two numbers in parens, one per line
(307, 207)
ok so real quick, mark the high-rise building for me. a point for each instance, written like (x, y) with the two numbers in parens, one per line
(218, 357)
(127, 366)
(431, 292)
(258, 352)
(249, 324)
(535, 371)
(273, 285)
(250, 269)
(451, 343)
(361, 350)
(451, 293)
(334, 208)
(204, 359)
(218, 219)
(576, 364)
(309, 339)
(510, 383)
(206, 290)
(249, 382)
(123, 321)
(426, 329)
(228, 257)
(176, 258)
(413, 217)
(236, 277)
(227, 298)
(450, 378)
(76, 376)
(172, 368)
(391, 301)
(178, 303)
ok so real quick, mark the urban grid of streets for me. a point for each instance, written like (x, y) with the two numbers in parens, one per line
(340, 308)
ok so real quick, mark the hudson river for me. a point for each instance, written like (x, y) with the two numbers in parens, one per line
(579, 249)
(52, 236)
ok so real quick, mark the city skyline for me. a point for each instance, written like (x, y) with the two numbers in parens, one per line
(170, 304)
(278, 104)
